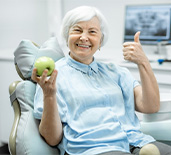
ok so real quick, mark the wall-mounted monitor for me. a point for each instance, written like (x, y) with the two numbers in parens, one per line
(154, 22)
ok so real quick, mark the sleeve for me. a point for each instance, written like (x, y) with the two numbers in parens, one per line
(127, 84)
(38, 103)
(62, 108)
(124, 75)
(126, 78)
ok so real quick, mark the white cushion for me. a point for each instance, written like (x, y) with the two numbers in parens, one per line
(28, 139)
(165, 102)
(26, 54)
(160, 130)
(160, 116)
(165, 110)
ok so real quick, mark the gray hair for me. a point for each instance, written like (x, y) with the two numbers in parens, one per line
(84, 13)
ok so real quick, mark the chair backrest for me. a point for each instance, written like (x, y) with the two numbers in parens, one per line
(25, 137)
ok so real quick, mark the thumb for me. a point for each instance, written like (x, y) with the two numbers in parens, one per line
(136, 37)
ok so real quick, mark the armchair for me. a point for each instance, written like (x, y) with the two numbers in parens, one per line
(25, 137)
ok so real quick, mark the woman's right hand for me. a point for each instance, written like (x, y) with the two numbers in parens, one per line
(50, 126)
(48, 85)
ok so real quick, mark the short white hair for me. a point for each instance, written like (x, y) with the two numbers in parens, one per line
(84, 13)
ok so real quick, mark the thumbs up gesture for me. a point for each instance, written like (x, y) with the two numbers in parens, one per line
(132, 51)
(136, 37)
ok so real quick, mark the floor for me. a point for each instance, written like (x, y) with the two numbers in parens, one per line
(4, 150)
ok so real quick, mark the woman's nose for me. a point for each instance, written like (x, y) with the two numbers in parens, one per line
(84, 37)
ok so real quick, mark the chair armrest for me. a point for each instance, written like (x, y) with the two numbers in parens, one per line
(17, 114)
(160, 130)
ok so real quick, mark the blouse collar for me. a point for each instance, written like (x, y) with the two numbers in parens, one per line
(87, 69)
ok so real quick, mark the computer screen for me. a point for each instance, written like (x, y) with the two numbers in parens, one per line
(154, 22)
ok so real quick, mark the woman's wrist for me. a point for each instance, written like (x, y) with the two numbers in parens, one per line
(50, 99)
(145, 62)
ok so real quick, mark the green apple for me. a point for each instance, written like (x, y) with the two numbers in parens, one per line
(43, 63)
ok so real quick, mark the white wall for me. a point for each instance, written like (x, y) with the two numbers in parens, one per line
(22, 19)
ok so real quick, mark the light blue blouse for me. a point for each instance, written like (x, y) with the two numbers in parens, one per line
(96, 106)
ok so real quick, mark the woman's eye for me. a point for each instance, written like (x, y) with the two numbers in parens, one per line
(92, 31)
(77, 30)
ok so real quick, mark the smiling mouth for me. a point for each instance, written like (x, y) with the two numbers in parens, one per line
(83, 46)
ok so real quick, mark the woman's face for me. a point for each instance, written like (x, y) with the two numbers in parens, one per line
(84, 40)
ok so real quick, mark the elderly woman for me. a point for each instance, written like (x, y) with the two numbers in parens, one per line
(88, 107)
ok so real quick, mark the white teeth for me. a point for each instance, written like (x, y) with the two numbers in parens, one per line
(85, 46)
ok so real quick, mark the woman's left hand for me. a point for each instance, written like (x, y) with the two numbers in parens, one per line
(147, 99)
(132, 51)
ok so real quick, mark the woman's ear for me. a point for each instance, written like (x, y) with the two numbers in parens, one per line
(101, 41)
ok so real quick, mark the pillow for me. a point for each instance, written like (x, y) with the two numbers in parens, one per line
(27, 52)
